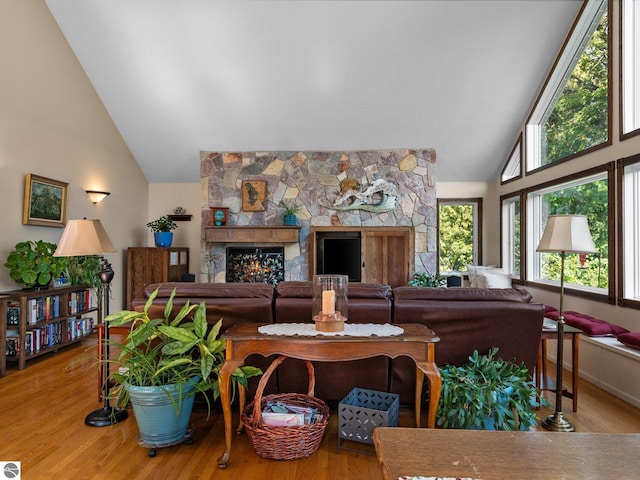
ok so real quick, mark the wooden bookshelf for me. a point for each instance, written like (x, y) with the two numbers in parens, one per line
(47, 320)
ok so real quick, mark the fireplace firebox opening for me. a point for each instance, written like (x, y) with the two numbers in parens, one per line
(255, 265)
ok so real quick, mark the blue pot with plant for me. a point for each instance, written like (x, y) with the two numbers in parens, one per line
(162, 229)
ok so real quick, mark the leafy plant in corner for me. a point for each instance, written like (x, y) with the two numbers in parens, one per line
(162, 224)
(32, 263)
(487, 389)
(427, 280)
(85, 270)
(171, 350)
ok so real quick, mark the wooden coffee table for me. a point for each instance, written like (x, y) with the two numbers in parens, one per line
(417, 342)
(499, 455)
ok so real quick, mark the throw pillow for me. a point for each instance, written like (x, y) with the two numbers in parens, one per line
(631, 340)
(474, 270)
(494, 279)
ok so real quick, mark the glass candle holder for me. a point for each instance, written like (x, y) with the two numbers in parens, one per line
(329, 306)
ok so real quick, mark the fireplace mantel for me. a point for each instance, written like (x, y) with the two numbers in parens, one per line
(249, 234)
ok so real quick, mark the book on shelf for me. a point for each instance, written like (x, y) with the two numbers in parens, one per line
(43, 309)
(80, 301)
(13, 313)
(13, 343)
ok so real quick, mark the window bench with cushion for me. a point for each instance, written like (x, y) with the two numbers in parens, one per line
(610, 354)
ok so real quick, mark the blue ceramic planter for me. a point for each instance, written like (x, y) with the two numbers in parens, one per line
(163, 239)
(290, 220)
(159, 422)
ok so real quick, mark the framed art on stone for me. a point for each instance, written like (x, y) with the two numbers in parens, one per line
(254, 195)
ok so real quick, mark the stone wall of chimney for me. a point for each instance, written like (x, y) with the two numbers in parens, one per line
(312, 181)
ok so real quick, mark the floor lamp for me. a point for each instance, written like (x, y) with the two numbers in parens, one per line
(88, 237)
(563, 234)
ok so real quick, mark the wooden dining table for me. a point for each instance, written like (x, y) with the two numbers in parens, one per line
(416, 341)
(502, 455)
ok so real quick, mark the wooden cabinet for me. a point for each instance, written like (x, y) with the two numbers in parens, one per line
(36, 322)
(386, 253)
(147, 265)
(387, 256)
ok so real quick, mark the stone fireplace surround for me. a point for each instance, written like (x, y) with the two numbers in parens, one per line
(312, 180)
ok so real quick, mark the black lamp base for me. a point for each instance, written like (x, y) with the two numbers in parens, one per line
(103, 417)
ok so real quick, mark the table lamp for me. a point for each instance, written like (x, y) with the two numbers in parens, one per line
(563, 234)
(82, 238)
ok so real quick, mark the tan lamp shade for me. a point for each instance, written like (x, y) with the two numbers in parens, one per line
(567, 233)
(84, 237)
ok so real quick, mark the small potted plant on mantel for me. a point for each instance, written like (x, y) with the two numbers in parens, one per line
(162, 229)
(289, 218)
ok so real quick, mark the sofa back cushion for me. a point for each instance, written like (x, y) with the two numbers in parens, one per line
(462, 294)
(468, 319)
(233, 302)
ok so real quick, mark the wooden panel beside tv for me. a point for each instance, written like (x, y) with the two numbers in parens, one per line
(386, 253)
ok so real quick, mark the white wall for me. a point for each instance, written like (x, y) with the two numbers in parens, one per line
(163, 199)
(53, 124)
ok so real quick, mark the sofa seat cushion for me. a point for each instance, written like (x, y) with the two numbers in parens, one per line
(594, 327)
(630, 339)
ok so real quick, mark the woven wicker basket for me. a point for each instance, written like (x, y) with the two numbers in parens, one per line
(290, 442)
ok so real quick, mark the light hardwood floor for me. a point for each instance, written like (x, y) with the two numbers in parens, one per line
(42, 410)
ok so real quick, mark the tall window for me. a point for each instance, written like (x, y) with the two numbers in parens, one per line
(459, 228)
(585, 196)
(631, 231)
(630, 66)
(513, 168)
(511, 235)
(572, 114)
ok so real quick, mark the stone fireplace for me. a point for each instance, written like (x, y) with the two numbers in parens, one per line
(313, 181)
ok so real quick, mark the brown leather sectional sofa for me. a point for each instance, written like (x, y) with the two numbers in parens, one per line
(465, 319)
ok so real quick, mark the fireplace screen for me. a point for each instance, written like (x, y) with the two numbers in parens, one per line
(255, 265)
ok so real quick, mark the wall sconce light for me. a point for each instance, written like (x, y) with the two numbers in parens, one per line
(96, 196)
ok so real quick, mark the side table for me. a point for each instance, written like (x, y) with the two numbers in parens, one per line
(542, 380)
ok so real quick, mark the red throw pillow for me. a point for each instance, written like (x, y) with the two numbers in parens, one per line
(631, 340)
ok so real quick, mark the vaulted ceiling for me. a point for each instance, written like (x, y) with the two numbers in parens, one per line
(178, 77)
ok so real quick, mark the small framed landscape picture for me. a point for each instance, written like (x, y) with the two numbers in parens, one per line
(45, 202)
(254, 195)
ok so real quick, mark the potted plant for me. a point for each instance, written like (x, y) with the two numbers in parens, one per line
(487, 393)
(162, 229)
(163, 362)
(289, 218)
(32, 263)
(427, 280)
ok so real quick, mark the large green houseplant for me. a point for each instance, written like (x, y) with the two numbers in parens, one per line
(174, 357)
(487, 393)
(32, 263)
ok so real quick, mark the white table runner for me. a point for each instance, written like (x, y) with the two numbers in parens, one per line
(350, 329)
